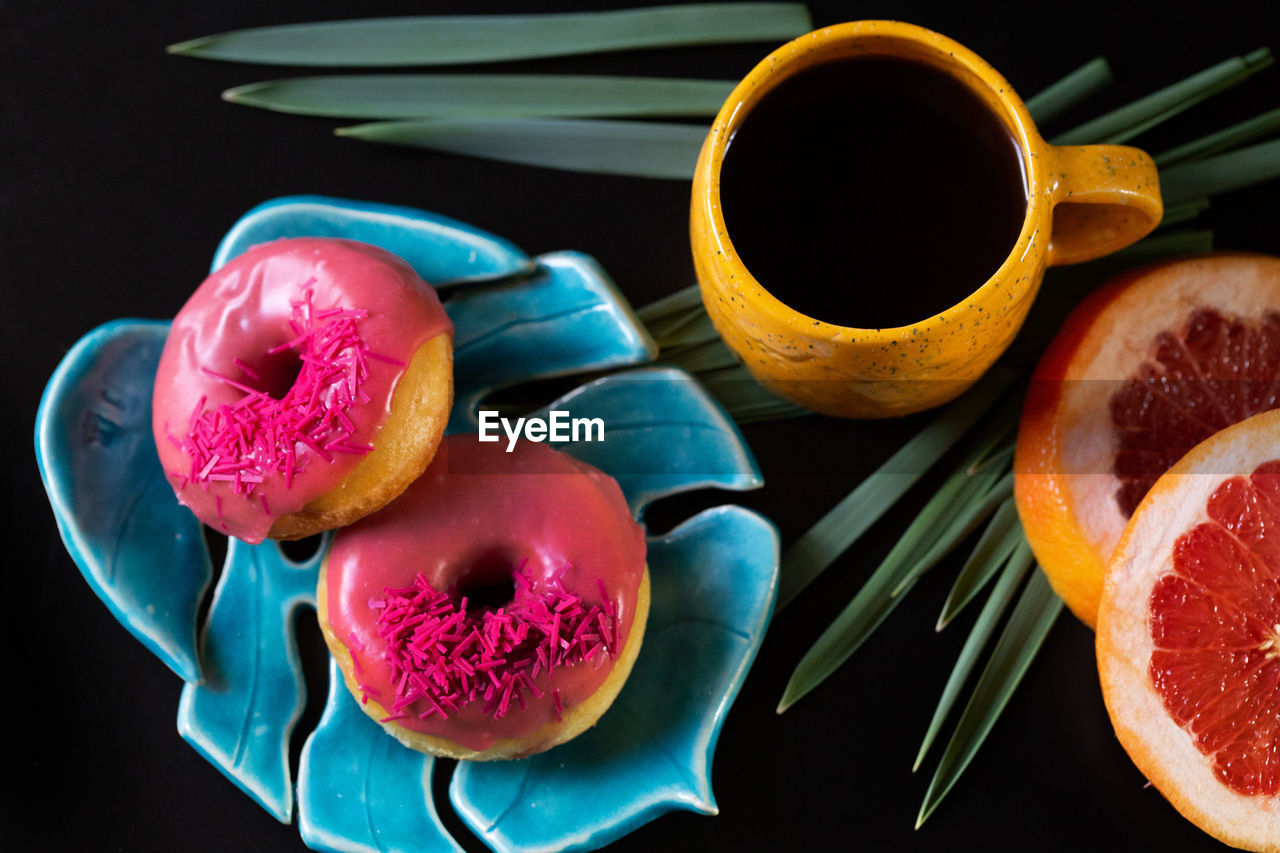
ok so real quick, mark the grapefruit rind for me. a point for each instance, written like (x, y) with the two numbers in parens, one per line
(1163, 750)
(1063, 481)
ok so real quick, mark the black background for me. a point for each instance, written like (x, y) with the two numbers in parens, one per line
(121, 171)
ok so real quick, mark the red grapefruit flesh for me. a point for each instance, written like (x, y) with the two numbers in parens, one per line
(1142, 371)
(1189, 634)
(1217, 371)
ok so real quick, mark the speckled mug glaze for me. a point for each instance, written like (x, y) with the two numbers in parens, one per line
(1082, 202)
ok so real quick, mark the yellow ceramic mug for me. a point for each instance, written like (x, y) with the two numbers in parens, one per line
(1082, 202)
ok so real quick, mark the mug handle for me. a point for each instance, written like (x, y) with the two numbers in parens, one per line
(1105, 197)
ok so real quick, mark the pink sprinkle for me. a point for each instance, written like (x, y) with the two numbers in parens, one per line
(384, 358)
(604, 628)
(208, 467)
(227, 379)
(195, 413)
(259, 435)
(533, 688)
(249, 371)
(435, 649)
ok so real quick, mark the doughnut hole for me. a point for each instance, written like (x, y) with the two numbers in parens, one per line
(574, 721)
(401, 451)
(488, 582)
(276, 373)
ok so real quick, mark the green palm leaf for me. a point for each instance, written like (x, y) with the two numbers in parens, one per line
(709, 360)
(683, 300)
(1258, 127)
(835, 532)
(1071, 90)
(445, 40)
(1026, 630)
(1183, 212)
(636, 149)
(875, 600)
(747, 400)
(1015, 565)
(1220, 174)
(692, 330)
(965, 520)
(1132, 119)
(1002, 536)
(467, 96)
(955, 509)
(662, 327)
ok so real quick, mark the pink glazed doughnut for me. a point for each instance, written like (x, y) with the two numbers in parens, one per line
(494, 609)
(303, 385)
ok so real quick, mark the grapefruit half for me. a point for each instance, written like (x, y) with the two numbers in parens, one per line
(1141, 372)
(1189, 635)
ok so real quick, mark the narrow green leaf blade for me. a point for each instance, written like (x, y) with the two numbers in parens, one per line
(1076, 87)
(1128, 121)
(661, 327)
(1258, 127)
(1221, 174)
(1015, 569)
(989, 460)
(832, 535)
(746, 399)
(759, 414)
(453, 96)
(1182, 213)
(964, 521)
(998, 450)
(998, 541)
(682, 300)
(1164, 246)
(696, 329)
(712, 362)
(444, 40)
(1021, 639)
(992, 449)
(875, 600)
(956, 508)
(634, 148)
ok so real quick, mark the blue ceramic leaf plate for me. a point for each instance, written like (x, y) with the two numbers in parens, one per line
(518, 319)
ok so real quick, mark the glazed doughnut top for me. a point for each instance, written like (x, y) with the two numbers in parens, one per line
(549, 546)
(278, 373)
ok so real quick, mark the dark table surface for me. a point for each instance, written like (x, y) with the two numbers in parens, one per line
(122, 169)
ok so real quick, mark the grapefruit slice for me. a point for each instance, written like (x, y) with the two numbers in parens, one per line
(1142, 371)
(1189, 635)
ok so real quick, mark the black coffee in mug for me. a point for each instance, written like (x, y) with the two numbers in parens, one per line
(872, 192)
